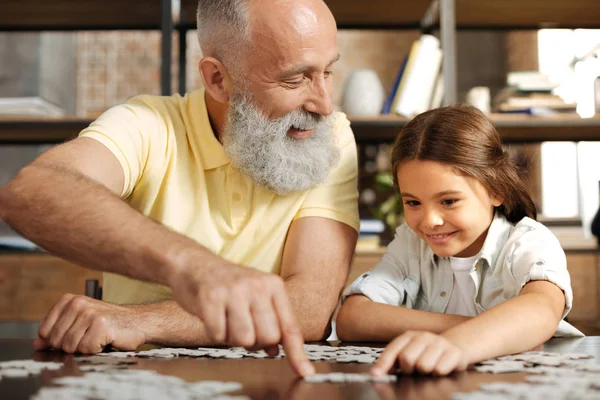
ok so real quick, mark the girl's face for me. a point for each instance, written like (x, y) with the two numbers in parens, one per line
(451, 212)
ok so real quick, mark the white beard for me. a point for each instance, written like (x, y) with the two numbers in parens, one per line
(261, 148)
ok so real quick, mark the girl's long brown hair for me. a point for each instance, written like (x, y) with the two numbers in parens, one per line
(464, 138)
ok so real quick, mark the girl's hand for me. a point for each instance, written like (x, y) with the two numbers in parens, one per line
(424, 352)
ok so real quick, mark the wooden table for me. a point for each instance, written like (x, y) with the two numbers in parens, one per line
(273, 379)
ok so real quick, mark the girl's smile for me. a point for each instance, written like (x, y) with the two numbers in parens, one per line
(439, 239)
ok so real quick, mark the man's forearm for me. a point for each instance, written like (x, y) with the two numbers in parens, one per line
(361, 319)
(80, 220)
(168, 324)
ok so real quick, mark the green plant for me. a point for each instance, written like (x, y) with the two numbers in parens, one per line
(391, 209)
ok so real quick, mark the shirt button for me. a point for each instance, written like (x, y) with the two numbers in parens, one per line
(443, 294)
(237, 197)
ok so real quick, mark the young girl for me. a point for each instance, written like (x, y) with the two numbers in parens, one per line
(471, 275)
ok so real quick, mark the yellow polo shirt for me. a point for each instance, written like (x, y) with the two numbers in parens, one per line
(176, 172)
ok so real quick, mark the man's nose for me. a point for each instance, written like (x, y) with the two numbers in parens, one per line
(319, 100)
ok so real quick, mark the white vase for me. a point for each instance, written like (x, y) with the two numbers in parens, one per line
(363, 93)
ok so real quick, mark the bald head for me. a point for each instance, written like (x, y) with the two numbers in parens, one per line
(229, 30)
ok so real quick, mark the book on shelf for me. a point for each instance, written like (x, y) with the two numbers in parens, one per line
(409, 60)
(29, 107)
(530, 81)
(437, 97)
(418, 82)
(369, 234)
(389, 101)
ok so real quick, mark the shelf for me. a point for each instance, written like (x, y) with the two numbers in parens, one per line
(40, 131)
(530, 14)
(34, 15)
(470, 14)
(524, 128)
(512, 128)
(378, 14)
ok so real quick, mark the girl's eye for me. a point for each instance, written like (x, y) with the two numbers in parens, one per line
(411, 203)
(449, 202)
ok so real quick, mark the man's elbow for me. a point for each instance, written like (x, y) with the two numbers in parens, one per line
(318, 331)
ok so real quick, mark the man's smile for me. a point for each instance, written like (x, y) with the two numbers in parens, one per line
(300, 133)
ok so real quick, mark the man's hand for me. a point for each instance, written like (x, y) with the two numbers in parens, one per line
(79, 324)
(242, 307)
(424, 352)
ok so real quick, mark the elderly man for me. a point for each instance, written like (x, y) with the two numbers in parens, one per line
(256, 171)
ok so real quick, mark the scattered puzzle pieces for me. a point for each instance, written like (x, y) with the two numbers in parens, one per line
(342, 377)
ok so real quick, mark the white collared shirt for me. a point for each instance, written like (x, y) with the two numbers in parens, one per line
(409, 274)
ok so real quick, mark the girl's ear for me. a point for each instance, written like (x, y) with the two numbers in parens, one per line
(496, 200)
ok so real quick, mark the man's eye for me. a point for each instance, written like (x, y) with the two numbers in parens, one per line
(328, 74)
(295, 82)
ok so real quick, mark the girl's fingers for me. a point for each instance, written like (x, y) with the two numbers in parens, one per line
(448, 362)
(412, 352)
(429, 358)
(388, 357)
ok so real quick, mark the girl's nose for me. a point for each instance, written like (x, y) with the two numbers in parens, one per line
(433, 219)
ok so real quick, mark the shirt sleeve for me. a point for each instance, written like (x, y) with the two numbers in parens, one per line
(385, 283)
(127, 130)
(538, 256)
(337, 198)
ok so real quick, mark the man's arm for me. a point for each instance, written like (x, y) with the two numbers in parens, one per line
(316, 267)
(361, 319)
(316, 260)
(84, 325)
(65, 201)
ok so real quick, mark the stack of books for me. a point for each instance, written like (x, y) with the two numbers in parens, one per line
(418, 86)
(531, 92)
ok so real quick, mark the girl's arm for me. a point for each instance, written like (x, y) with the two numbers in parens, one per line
(361, 319)
(516, 325)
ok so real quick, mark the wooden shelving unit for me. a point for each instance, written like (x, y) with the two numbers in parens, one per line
(512, 128)
(379, 14)
(470, 14)
(530, 14)
(40, 131)
(35, 15)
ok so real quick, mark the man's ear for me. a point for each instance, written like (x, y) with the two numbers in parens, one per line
(215, 78)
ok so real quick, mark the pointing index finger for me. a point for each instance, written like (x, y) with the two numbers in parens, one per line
(388, 356)
(291, 336)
